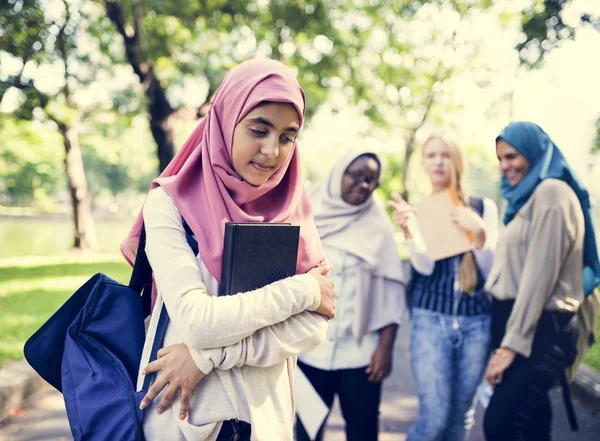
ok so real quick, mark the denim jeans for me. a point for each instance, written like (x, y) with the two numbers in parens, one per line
(448, 364)
(234, 430)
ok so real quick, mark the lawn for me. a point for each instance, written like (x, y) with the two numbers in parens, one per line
(592, 358)
(31, 290)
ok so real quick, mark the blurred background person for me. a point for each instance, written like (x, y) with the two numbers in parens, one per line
(451, 313)
(546, 258)
(358, 241)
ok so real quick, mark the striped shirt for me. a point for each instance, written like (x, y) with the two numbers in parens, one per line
(432, 282)
(436, 291)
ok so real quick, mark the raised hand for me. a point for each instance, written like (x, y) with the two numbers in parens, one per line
(469, 221)
(403, 213)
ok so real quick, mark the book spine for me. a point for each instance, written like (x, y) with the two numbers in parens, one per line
(227, 260)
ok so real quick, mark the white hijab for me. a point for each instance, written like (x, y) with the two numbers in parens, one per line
(362, 230)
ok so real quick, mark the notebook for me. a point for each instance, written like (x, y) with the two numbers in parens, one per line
(442, 237)
(257, 254)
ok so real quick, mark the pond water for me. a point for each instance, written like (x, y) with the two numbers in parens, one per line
(44, 236)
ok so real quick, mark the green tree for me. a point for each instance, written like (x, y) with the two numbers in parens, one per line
(30, 165)
(39, 35)
(544, 26)
(117, 157)
(405, 60)
(545, 23)
(596, 146)
(171, 46)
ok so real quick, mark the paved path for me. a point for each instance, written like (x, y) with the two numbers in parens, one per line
(46, 420)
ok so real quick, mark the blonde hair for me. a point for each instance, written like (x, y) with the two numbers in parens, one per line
(467, 273)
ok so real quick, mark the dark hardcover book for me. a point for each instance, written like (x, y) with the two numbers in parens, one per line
(256, 254)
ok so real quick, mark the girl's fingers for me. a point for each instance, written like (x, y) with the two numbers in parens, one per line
(154, 390)
(152, 367)
(167, 398)
(324, 269)
(185, 403)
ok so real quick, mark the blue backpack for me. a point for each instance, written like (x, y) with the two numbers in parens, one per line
(90, 350)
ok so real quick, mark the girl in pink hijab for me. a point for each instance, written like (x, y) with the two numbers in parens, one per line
(227, 363)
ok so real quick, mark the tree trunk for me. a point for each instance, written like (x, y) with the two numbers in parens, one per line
(85, 228)
(410, 139)
(158, 106)
(163, 136)
(160, 112)
(408, 152)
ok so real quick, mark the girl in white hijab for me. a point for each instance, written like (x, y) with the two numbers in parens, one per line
(358, 240)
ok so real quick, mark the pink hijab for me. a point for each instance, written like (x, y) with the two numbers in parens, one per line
(208, 192)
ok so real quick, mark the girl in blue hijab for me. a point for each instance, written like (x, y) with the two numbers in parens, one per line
(546, 259)
(547, 162)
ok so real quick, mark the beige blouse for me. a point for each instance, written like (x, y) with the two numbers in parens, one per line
(539, 261)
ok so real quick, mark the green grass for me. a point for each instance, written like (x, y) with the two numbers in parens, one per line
(592, 358)
(31, 291)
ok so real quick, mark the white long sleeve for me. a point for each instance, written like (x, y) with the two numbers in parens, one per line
(203, 320)
(267, 346)
(485, 255)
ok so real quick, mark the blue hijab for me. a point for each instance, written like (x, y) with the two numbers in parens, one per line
(546, 161)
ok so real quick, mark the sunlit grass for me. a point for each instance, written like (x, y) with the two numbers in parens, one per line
(19, 285)
(59, 258)
(31, 290)
(592, 358)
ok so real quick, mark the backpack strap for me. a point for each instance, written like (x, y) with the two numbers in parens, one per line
(163, 319)
(568, 401)
(189, 234)
(161, 329)
(564, 382)
(477, 205)
(141, 276)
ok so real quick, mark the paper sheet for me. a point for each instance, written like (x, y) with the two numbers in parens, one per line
(441, 236)
(311, 409)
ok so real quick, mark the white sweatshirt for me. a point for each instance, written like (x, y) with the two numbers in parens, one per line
(247, 344)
